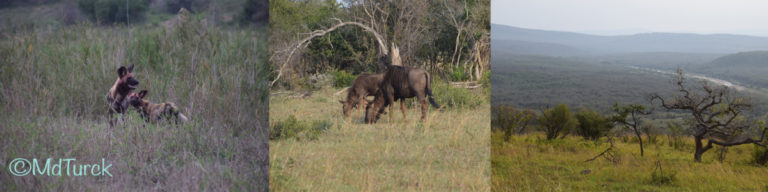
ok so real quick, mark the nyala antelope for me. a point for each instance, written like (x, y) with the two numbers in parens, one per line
(123, 86)
(155, 112)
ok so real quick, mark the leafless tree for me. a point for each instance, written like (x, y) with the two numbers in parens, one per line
(717, 115)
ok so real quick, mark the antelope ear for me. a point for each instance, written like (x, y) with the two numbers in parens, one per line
(130, 68)
(142, 93)
(122, 71)
(340, 101)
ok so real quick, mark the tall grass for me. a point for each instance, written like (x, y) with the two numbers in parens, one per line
(53, 83)
(530, 163)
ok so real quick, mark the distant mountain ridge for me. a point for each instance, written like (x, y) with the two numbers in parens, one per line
(579, 43)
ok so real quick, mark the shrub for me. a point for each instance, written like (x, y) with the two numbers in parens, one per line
(556, 121)
(449, 96)
(294, 128)
(113, 11)
(760, 155)
(458, 74)
(592, 125)
(511, 120)
(343, 79)
(485, 80)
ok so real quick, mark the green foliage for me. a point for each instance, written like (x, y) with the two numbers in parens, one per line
(592, 125)
(458, 74)
(113, 11)
(449, 96)
(343, 79)
(557, 121)
(293, 128)
(510, 120)
(485, 80)
(760, 155)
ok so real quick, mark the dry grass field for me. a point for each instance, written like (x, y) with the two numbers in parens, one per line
(447, 152)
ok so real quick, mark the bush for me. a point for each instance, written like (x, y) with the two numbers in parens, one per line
(293, 128)
(556, 121)
(113, 11)
(458, 74)
(760, 155)
(592, 125)
(343, 79)
(449, 96)
(485, 80)
(510, 120)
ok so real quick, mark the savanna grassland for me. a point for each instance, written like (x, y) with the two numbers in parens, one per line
(313, 147)
(53, 82)
(531, 163)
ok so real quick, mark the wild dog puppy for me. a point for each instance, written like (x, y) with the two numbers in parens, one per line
(154, 112)
(124, 84)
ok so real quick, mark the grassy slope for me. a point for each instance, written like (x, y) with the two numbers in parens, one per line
(448, 152)
(528, 164)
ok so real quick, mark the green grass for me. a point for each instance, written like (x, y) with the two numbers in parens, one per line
(528, 163)
(53, 83)
(447, 152)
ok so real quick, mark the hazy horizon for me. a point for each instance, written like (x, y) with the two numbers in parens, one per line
(610, 18)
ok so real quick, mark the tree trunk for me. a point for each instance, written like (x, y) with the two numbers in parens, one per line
(639, 138)
(699, 149)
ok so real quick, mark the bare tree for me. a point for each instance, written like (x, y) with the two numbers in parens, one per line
(628, 117)
(716, 113)
(319, 33)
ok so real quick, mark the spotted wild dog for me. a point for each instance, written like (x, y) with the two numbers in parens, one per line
(123, 86)
(154, 112)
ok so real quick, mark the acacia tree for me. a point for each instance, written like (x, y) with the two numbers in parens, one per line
(557, 121)
(716, 113)
(628, 117)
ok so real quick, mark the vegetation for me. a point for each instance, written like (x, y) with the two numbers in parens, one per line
(113, 11)
(293, 128)
(592, 125)
(633, 112)
(557, 122)
(446, 152)
(53, 82)
(456, 97)
(343, 79)
(511, 120)
(448, 38)
(529, 163)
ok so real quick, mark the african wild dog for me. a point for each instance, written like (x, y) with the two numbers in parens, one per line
(399, 83)
(154, 112)
(123, 86)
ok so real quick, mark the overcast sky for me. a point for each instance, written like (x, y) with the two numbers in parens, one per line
(618, 17)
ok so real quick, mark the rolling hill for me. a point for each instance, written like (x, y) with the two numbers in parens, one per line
(508, 36)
